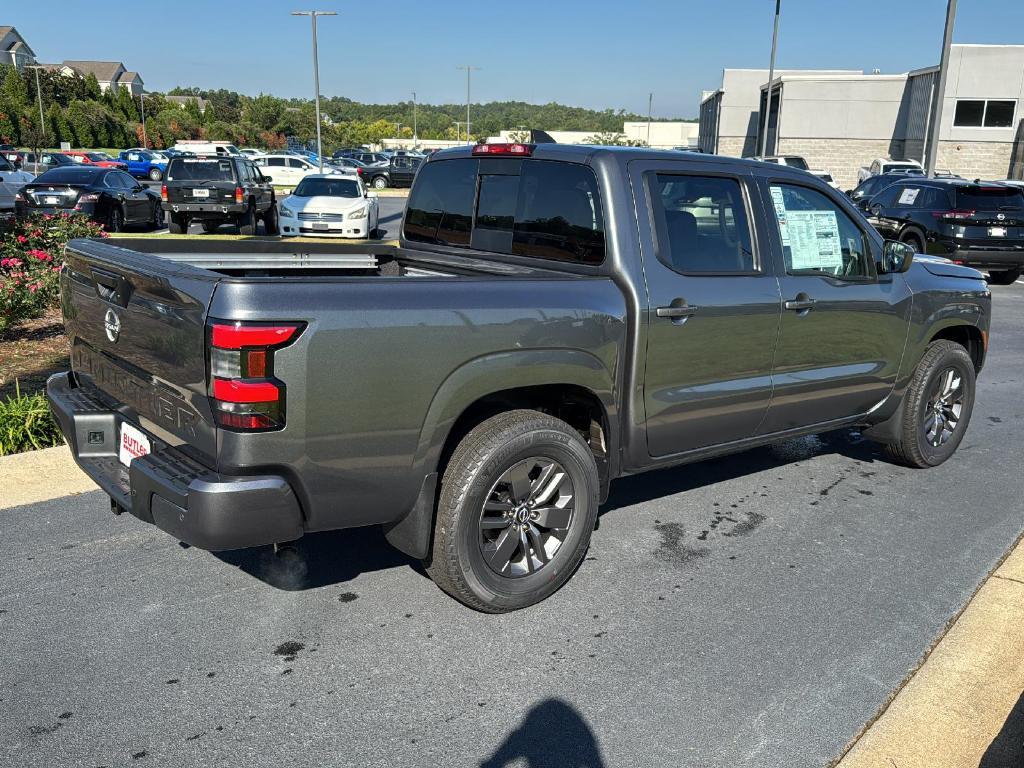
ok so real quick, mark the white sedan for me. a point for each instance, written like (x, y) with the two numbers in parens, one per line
(330, 205)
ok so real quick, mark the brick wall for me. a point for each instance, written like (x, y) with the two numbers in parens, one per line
(737, 146)
(975, 159)
(840, 157)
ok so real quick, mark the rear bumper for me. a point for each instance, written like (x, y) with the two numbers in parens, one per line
(167, 488)
(206, 210)
(1005, 257)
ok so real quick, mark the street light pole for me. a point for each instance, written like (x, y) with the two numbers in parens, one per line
(39, 95)
(415, 136)
(771, 76)
(940, 92)
(650, 102)
(142, 106)
(316, 79)
(469, 69)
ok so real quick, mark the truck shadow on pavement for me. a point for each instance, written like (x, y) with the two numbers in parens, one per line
(637, 489)
(335, 557)
(1007, 748)
(554, 734)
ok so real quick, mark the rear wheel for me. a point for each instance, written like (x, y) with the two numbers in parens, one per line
(913, 240)
(380, 183)
(209, 227)
(270, 220)
(518, 504)
(1005, 277)
(155, 174)
(115, 219)
(247, 222)
(178, 224)
(937, 406)
(156, 220)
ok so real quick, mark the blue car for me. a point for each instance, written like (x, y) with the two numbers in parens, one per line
(143, 164)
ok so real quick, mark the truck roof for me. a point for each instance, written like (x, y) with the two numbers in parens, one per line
(585, 153)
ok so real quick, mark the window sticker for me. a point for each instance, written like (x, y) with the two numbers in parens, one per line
(908, 196)
(811, 237)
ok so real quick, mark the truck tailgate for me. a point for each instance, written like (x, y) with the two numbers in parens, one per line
(137, 328)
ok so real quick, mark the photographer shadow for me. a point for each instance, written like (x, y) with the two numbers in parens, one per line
(552, 735)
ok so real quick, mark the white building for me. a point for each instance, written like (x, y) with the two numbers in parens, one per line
(14, 50)
(108, 73)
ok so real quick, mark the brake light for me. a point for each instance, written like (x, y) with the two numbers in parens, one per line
(244, 393)
(86, 197)
(952, 214)
(163, 193)
(19, 197)
(239, 194)
(522, 150)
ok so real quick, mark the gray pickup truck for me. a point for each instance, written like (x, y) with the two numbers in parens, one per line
(553, 318)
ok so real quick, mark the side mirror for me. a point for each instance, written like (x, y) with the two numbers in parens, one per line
(268, 179)
(896, 257)
(875, 209)
(849, 193)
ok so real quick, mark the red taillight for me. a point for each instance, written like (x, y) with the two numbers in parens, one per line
(359, 171)
(239, 194)
(522, 150)
(243, 391)
(163, 193)
(952, 214)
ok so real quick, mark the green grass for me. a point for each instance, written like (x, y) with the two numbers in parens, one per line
(26, 424)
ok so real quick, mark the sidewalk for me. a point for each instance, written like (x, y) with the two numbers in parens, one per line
(965, 706)
(37, 476)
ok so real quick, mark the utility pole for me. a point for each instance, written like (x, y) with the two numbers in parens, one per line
(142, 105)
(39, 95)
(469, 69)
(650, 102)
(940, 92)
(415, 135)
(771, 77)
(316, 79)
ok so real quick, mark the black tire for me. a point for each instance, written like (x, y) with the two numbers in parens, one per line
(914, 448)
(490, 451)
(914, 240)
(156, 221)
(177, 224)
(1004, 277)
(155, 174)
(379, 182)
(271, 223)
(247, 222)
(115, 219)
(210, 226)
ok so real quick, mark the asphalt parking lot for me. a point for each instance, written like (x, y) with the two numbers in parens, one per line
(755, 610)
(391, 209)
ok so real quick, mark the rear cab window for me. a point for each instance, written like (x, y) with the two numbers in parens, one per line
(543, 209)
(200, 169)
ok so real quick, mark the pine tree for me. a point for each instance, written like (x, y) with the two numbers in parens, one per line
(14, 90)
(92, 87)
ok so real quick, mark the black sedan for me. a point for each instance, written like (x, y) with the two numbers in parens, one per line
(108, 196)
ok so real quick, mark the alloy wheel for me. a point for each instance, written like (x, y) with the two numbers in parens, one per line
(944, 408)
(526, 517)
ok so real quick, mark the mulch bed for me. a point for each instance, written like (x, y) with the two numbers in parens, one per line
(30, 352)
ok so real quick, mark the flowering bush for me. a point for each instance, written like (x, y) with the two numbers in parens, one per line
(30, 259)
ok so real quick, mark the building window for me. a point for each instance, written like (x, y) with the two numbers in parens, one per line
(978, 113)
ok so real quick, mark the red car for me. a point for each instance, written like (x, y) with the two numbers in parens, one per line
(101, 159)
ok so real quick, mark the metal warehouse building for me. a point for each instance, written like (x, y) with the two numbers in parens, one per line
(841, 120)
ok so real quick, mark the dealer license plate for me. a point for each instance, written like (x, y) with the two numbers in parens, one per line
(200, 193)
(51, 200)
(134, 444)
(997, 231)
(320, 225)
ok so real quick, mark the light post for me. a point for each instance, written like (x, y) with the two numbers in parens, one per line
(316, 79)
(415, 136)
(940, 92)
(771, 76)
(39, 95)
(650, 103)
(469, 69)
(142, 107)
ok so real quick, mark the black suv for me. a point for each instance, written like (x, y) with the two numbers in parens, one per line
(215, 190)
(977, 223)
(871, 186)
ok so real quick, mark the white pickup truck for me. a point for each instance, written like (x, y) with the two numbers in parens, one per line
(885, 165)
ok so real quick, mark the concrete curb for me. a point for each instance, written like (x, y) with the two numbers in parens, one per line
(35, 476)
(953, 711)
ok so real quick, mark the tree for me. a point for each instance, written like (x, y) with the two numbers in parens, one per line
(613, 139)
(14, 89)
(264, 112)
(58, 126)
(81, 124)
(8, 124)
(32, 133)
(92, 87)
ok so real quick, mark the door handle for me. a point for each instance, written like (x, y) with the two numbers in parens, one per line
(800, 304)
(686, 310)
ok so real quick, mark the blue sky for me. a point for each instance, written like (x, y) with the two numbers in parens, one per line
(598, 53)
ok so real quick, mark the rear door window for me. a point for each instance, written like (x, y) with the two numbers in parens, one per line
(702, 226)
(559, 213)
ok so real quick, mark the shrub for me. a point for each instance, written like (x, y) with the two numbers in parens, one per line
(30, 255)
(26, 424)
